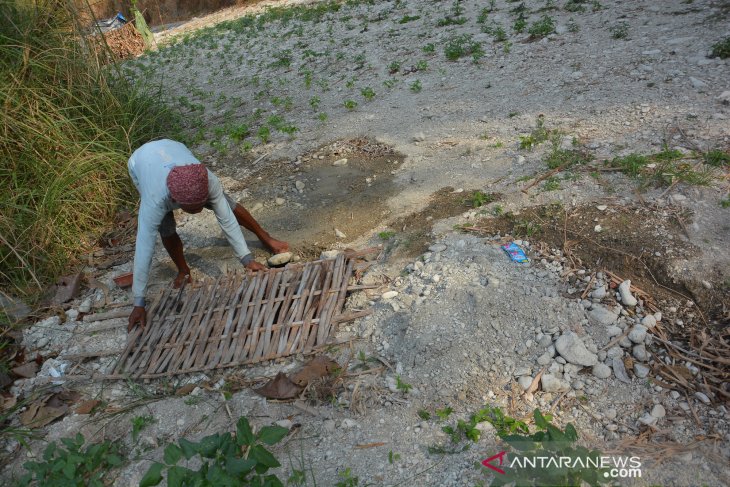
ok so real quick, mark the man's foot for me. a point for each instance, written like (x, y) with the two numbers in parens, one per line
(276, 246)
(182, 277)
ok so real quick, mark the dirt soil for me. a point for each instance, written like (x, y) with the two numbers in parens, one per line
(272, 101)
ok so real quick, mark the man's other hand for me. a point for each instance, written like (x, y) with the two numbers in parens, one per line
(254, 266)
(138, 315)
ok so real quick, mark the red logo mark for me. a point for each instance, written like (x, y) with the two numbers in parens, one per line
(487, 463)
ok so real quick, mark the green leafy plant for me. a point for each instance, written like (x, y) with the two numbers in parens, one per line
(631, 164)
(264, 134)
(393, 67)
(520, 24)
(541, 28)
(429, 48)
(424, 415)
(239, 132)
(401, 385)
(551, 184)
(348, 479)
(725, 203)
(416, 87)
(408, 18)
(463, 45)
(314, 102)
(717, 158)
(350, 104)
(387, 235)
(224, 459)
(575, 5)
(538, 135)
(393, 457)
(139, 423)
(367, 93)
(422, 65)
(72, 465)
(721, 49)
(619, 31)
(444, 413)
(547, 441)
(566, 158)
(479, 198)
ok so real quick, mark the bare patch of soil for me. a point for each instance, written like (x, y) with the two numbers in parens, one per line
(640, 243)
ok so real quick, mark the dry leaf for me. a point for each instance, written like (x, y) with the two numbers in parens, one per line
(185, 390)
(26, 371)
(87, 406)
(316, 368)
(280, 387)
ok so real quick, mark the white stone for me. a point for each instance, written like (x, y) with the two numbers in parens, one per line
(524, 382)
(299, 185)
(641, 370)
(658, 411)
(280, 259)
(389, 294)
(649, 321)
(602, 371)
(639, 352)
(329, 254)
(602, 314)
(340, 162)
(702, 397)
(551, 383)
(637, 334)
(437, 248)
(625, 291)
(572, 348)
(697, 83)
(279, 201)
(419, 137)
(85, 306)
(339, 234)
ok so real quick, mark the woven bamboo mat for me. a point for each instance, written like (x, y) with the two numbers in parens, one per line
(241, 318)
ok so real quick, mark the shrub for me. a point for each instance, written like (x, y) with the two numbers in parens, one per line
(69, 123)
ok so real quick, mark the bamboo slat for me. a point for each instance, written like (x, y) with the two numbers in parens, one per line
(241, 318)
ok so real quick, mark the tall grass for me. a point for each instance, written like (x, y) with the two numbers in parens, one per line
(68, 123)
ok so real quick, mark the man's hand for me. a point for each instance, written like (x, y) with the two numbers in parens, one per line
(254, 266)
(138, 315)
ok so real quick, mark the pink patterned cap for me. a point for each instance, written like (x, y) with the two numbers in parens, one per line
(188, 185)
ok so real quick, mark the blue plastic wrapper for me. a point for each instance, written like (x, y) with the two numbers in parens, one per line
(515, 253)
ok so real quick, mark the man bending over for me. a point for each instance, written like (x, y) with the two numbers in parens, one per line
(168, 176)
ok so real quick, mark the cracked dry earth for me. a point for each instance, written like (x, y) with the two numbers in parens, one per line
(453, 316)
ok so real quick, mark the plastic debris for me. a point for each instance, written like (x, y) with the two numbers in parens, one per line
(515, 253)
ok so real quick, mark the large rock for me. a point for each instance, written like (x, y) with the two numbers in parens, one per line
(637, 334)
(572, 349)
(602, 315)
(552, 383)
(602, 371)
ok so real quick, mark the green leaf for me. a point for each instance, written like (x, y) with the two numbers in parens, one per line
(272, 434)
(179, 476)
(570, 432)
(263, 456)
(114, 460)
(240, 466)
(244, 435)
(49, 451)
(208, 446)
(153, 475)
(69, 470)
(189, 449)
(540, 420)
(172, 454)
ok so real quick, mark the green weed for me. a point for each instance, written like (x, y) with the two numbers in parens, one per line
(350, 104)
(423, 414)
(408, 18)
(367, 93)
(416, 87)
(429, 48)
(463, 45)
(619, 31)
(479, 198)
(314, 102)
(393, 457)
(70, 121)
(223, 459)
(543, 27)
(717, 158)
(444, 413)
(402, 386)
(551, 184)
(72, 464)
(538, 135)
(139, 423)
(393, 67)
(721, 49)
(387, 235)
(566, 158)
(264, 134)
